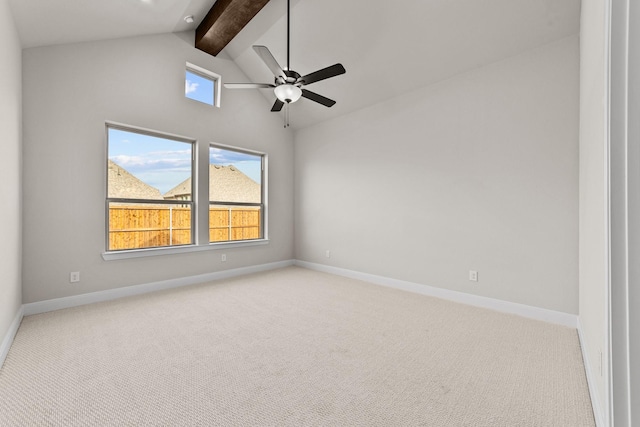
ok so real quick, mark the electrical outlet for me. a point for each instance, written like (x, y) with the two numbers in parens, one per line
(328, 253)
(223, 257)
(74, 277)
(473, 275)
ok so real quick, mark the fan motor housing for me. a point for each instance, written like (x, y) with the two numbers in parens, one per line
(292, 76)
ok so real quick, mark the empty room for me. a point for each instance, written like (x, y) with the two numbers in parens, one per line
(305, 212)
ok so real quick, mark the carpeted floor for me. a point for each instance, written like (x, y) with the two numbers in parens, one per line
(291, 347)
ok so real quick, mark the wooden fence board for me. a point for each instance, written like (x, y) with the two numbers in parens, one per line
(135, 227)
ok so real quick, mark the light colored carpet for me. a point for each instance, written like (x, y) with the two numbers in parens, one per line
(291, 347)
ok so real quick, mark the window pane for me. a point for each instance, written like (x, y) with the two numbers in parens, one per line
(199, 88)
(234, 176)
(234, 223)
(144, 225)
(147, 167)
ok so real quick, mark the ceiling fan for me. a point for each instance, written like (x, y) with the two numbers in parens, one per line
(288, 84)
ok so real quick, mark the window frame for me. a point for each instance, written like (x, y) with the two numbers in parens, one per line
(209, 75)
(109, 200)
(263, 193)
(197, 220)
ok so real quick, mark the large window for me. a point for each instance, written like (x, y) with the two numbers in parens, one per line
(236, 207)
(149, 187)
(155, 202)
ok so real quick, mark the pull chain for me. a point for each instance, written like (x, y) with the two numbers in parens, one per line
(286, 115)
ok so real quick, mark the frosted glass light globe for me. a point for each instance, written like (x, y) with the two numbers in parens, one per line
(288, 93)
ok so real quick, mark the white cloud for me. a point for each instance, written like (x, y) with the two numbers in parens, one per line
(127, 161)
(220, 156)
(166, 153)
(140, 163)
(190, 87)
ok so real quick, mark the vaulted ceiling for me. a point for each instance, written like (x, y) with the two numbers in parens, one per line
(387, 47)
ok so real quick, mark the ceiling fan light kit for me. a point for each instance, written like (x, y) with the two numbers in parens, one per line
(288, 86)
(288, 93)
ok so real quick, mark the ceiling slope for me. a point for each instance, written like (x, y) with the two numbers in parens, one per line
(390, 48)
(51, 22)
(387, 47)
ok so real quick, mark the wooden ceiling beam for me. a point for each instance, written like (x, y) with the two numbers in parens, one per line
(224, 21)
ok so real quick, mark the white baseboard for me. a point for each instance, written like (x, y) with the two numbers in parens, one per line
(11, 333)
(593, 391)
(111, 294)
(523, 310)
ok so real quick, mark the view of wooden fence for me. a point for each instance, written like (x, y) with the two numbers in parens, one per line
(136, 227)
(233, 223)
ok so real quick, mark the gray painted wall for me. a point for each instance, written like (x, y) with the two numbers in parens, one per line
(69, 92)
(10, 172)
(479, 172)
(594, 250)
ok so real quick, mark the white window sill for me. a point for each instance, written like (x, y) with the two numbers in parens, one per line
(139, 253)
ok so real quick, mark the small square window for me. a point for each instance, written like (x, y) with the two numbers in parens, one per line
(201, 85)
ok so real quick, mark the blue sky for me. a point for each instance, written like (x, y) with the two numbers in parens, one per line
(198, 88)
(164, 163)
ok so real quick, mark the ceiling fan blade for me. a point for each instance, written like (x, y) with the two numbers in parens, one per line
(277, 106)
(266, 56)
(318, 98)
(325, 73)
(248, 85)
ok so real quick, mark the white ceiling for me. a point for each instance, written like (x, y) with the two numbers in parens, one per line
(388, 47)
(49, 22)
